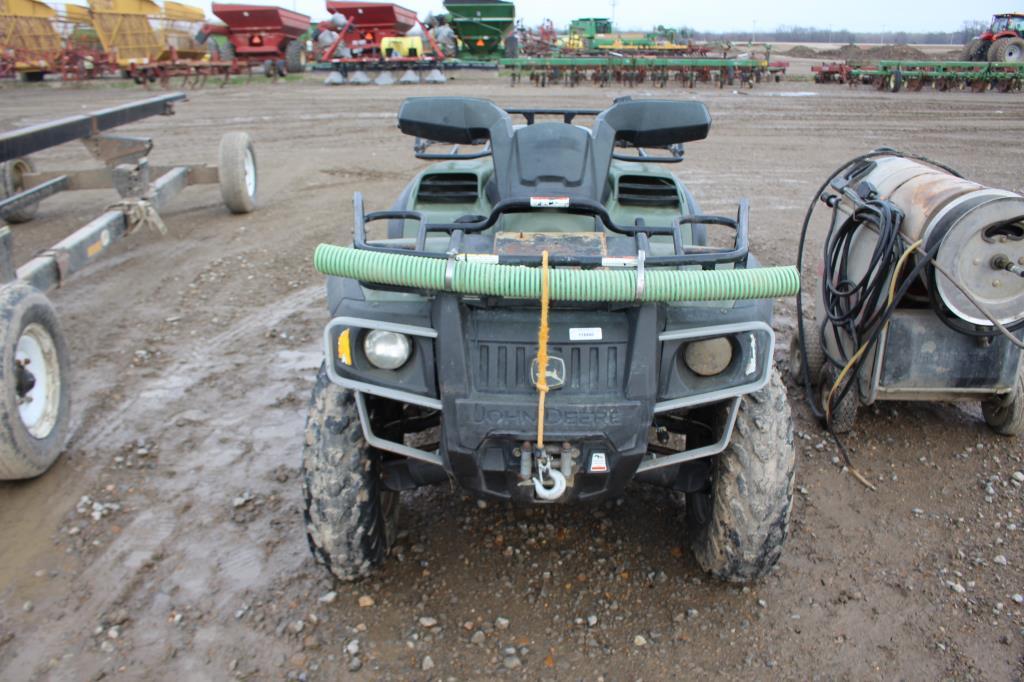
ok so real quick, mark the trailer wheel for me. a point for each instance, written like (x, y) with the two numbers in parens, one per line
(295, 56)
(737, 528)
(1005, 415)
(35, 398)
(896, 81)
(238, 172)
(812, 350)
(11, 182)
(844, 413)
(351, 520)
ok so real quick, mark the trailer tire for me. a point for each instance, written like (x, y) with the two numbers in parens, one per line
(738, 527)
(1005, 415)
(351, 521)
(238, 172)
(812, 350)
(896, 81)
(35, 383)
(11, 182)
(295, 56)
(844, 413)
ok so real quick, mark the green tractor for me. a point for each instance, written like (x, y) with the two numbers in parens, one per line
(1002, 42)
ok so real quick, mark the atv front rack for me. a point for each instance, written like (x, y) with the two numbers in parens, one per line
(683, 255)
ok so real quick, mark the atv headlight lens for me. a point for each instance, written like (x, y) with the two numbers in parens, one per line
(387, 350)
(708, 357)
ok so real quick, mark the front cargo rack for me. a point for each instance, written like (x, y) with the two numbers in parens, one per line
(706, 257)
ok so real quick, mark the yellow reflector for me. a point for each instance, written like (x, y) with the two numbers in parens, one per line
(345, 348)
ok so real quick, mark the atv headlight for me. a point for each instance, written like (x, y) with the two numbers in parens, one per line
(387, 350)
(708, 357)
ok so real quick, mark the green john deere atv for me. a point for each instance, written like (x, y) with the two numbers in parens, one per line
(545, 322)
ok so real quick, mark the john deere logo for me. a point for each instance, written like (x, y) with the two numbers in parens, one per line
(556, 372)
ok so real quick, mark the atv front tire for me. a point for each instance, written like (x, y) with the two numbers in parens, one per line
(351, 521)
(738, 527)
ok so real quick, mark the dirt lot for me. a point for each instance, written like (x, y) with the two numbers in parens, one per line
(194, 355)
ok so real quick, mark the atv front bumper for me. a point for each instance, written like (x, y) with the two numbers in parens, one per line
(473, 366)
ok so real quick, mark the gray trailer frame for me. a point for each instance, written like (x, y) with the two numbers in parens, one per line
(144, 190)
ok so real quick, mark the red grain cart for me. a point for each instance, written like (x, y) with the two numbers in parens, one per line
(366, 25)
(259, 33)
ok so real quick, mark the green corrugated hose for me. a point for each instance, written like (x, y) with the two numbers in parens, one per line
(567, 284)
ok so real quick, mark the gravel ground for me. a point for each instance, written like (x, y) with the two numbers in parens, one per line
(167, 543)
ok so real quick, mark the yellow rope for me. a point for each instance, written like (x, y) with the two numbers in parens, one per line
(542, 349)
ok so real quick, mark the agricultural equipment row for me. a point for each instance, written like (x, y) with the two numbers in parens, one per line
(572, 71)
(896, 75)
(35, 372)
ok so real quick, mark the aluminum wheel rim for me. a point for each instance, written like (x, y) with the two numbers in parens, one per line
(38, 407)
(249, 169)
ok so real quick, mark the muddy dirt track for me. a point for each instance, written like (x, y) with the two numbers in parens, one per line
(168, 543)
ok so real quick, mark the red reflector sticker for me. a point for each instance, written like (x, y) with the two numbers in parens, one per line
(549, 202)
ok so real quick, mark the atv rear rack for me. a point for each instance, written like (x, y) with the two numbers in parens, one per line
(684, 255)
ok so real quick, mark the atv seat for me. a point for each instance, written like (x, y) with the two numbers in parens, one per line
(553, 159)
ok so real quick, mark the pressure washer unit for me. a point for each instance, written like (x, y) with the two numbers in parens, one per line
(921, 294)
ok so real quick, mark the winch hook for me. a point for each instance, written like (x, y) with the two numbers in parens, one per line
(557, 480)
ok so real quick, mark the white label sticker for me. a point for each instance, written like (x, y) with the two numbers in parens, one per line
(585, 334)
(549, 202)
(598, 464)
(618, 262)
(478, 258)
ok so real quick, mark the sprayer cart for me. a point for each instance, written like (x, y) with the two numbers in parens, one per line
(921, 294)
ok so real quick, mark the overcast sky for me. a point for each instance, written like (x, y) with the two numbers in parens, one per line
(862, 15)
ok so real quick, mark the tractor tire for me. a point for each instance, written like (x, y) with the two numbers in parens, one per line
(975, 51)
(1007, 50)
(295, 56)
(844, 414)
(11, 182)
(812, 350)
(738, 527)
(35, 383)
(351, 521)
(1005, 415)
(238, 174)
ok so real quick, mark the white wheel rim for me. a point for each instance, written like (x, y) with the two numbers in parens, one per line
(249, 168)
(37, 354)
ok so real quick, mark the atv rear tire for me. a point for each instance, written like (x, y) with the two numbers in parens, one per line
(1006, 50)
(1005, 415)
(351, 521)
(738, 527)
(295, 56)
(35, 383)
(12, 182)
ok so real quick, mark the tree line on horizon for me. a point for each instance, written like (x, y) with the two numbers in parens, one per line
(813, 34)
